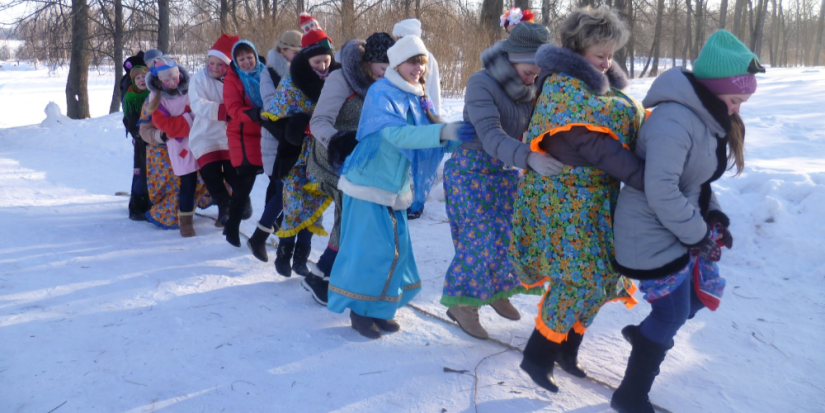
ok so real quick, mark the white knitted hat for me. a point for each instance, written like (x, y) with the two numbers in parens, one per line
(409, 27)
(406, 48)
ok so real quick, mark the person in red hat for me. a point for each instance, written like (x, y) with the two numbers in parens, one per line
(289, 115)
(207, 139)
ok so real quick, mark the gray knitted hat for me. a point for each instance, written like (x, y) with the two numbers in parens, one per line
(524, 40)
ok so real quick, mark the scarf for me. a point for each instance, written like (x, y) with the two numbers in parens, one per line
(134, 99)
(251, 80)
(322, 75)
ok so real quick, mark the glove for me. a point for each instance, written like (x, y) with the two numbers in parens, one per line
(296, 128)
(254, 113)
(276, 129)
(718, 221)
(458, 132)
(270, 116)
(163, 137)
(707, 249)
(544, 164)
(341, 145)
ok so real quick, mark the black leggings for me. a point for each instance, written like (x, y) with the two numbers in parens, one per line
(244, 181)
(214, 175)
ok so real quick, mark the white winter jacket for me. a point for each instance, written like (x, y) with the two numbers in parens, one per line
(208, 134)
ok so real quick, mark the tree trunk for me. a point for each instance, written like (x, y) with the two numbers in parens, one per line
(118, 45)
(522, 4)
(545, 12)
(77, 94)
(756, 37)
(688, 35)
(347, 20)
(700, 30)
(647, 62)
(723, 13)
(300, 6)
(267, 10)
(738, 14)
(490, 13)
(163, 26)
(407, 14)
(819, 28)
(674, 17)
(657, 36)
(620, 56)
(224, 16)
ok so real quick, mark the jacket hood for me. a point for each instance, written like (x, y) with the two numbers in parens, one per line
(155, 85)
(495, 63)
(277, 62)
(554, 59)
(679, 86)
(351, 55)
(305, 78)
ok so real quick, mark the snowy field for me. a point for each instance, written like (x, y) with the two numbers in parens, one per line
(102, 314)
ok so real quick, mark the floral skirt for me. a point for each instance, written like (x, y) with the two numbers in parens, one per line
(163, 186)
(563, 237)
(480, 192)
(304, 203)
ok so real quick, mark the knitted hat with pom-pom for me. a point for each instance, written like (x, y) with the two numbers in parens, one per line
(315, 42)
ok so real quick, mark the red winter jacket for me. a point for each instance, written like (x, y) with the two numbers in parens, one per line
(244, 135)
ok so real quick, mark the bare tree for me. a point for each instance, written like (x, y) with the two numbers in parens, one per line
(819, 29)
(657, 36)
(163, 26)
(114, 106)
(77, 95)
(522, 4)
(723, 13)
(490, 13)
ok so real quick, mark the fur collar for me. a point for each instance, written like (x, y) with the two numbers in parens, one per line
(155, 85)
(277, 62)
(497, 65)
(395, 78)
(553, 59)
(305, 78)
(351, 55)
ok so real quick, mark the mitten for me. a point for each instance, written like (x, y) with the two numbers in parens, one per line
(341, 145)
(720, 222)
(296, 128)
(458, 132)
(707, 249)
(254, 113)
(544, 164)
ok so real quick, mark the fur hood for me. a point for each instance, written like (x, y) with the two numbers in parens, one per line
(277, 62)
(351, 55)
(305, 78)
(497, 65)
(155, 85)
(553, 59)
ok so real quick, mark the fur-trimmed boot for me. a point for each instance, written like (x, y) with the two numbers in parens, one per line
(284, 257)
(364, 325)
(642, 369)
(185, 224)
(569, 353)
(138, 205)
(257, 242)
(539, 356)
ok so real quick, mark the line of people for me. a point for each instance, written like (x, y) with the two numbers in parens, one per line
(533, 186)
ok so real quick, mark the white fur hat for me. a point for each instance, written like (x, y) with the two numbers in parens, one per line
(406, 48)
(409, 27)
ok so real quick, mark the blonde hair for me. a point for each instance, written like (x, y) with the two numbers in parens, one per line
(587, 26)
(736, 144)
(423, 60)
(154, 102)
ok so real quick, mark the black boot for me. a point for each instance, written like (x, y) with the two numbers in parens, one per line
(138, 205)
(257, 243)
(223, 214)
(642, 369)
(569, 352)
(232, 227)
(283, 258)
(318, 286)
(364, 326)
(299, 259)
(539, 356)
(247, 209)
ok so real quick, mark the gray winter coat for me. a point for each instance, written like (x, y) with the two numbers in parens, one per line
(684, 142)
(499, 105)
(269, 145)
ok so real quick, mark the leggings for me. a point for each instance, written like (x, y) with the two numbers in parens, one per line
(214, 175)
(186, 194)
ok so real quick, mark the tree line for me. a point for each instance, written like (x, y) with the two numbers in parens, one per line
(665, 33)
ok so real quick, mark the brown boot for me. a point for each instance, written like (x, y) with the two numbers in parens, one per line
(505, 309)
(467, 318)
(185, 224)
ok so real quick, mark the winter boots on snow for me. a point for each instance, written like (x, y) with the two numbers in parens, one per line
(232, 227)
(247, 209)
(569, 353)
(138, 205)
(467, 318)
(185, 224)
(369, 327)
(257, 242)
(299, 259)
(539, 356)
(505, 309)
(283, 258)
(642, 369)
(317, 283)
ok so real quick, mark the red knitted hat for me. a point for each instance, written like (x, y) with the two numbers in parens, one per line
(222, 49)
(312, 31)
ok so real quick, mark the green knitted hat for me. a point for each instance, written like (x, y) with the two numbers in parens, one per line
(723, 55)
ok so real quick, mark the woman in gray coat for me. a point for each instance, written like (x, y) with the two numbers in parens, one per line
(480, 180)
(671, 232)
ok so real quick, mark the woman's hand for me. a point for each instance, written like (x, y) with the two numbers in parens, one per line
(458, 132)
(544, 164)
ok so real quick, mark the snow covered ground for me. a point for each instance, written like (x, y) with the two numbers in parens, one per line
(99, 313)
